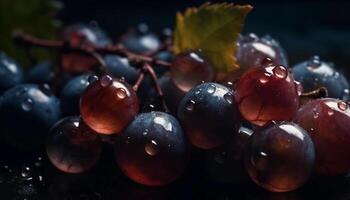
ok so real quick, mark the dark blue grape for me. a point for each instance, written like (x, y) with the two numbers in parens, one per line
(41, 73)
(315, 73)
(120, 67)
(11, 72)
(209, 115)
(141, 43)
(71, 93)
(152, 150)
(86, 33)
(27, 112)
(72, 147)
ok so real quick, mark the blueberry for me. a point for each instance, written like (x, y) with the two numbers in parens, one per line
(27, 111)
(11, 72)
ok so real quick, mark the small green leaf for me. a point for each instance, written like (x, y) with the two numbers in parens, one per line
(35, 17)
(213, 28)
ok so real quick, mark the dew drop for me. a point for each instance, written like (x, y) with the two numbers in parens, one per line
(265, 78)
(190, 105)
(92, 78)
(266, 61)
(26, 173)
(106, 80)
(346, 91)
(316, 115)
(128, 140)
(211, 89)
(228, 97)
(197, 91)
(330, 112)
(151, 148)
(45, 88)
(280, 71)
(342, 105)
(27, 104)
(121, 93)
(145, 132)
(313, 62)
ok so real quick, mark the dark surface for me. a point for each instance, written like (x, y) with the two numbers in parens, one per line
(304, 28)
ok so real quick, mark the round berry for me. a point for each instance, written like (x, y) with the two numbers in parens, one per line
(190, 68)
(267, 93)
(314, 73)
(209, 115)
(326, 121)
(152, 150)
(71, 147)
(108, 105)
(11, 73)
(280, 158)
(27, 112)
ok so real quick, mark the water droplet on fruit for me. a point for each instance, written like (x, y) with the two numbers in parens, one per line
(45, 88)
(106, 80)
(265, 78)
(316, 115)
(26, 173)
(92, 78)
(298, 87)
(229, 84)
(27, 104)
(330, 112)
(151, 148)
(346, 91)
(197, 91)
(313, 62)
(145, 132)
(342, 105)
(190, 105)
(211, 89)
(122, 79)
(121, 93)
(266, 61)
(228, 97)
(280, 71)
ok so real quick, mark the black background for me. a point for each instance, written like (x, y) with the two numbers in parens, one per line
(304, 28)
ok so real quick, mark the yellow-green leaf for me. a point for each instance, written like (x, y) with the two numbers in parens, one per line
(213, 28)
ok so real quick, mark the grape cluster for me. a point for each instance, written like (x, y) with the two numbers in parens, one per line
(157, 109)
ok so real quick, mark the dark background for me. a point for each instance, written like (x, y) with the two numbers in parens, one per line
(304, 28)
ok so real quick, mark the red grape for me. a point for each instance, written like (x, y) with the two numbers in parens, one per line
(190, 68)
(108, 105)
(326, 120)
(81, 35)
(267, 93)
(71, 147)
(281, 157)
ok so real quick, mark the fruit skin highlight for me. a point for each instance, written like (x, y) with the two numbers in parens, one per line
(267, 93)
(326, 121)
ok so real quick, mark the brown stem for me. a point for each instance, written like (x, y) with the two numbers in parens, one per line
(147, 67)
(321, 92)
(138, 81)
(25, 39)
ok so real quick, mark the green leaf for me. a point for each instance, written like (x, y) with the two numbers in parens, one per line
(214, 28)
(35, 17)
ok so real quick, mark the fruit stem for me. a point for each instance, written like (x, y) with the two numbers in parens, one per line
(148, 68)
(321, 92)
(138, 81)
(21, 38)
